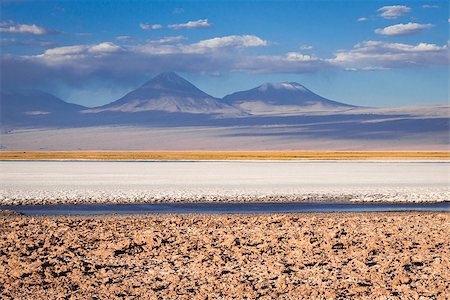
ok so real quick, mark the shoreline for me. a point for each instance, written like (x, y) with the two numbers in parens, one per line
(11, 214)
(231, 208)
(206, 199)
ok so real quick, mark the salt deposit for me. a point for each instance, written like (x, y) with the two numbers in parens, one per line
(44, 182)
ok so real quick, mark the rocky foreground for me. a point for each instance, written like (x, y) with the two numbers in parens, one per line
(378, 255)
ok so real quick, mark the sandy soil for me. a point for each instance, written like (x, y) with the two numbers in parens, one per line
(394, 255)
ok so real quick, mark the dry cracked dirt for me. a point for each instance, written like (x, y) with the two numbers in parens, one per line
(291, 256)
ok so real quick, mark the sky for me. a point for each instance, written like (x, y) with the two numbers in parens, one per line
(370, 53)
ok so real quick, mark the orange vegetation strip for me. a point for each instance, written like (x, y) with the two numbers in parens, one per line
(223, 155)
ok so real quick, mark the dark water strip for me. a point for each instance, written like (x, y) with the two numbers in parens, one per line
(224, 208)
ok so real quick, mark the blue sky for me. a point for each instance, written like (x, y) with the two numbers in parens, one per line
(372, 53)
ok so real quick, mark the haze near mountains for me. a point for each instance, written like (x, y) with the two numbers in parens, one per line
(168, 112)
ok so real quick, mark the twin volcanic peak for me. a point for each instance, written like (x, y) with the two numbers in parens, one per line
(171, 93)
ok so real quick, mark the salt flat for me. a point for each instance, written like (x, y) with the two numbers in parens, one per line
(39, 182)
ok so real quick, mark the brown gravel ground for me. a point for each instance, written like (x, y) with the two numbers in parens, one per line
(291, 256)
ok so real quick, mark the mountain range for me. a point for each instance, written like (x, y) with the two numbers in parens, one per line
(166, 93)
(285, 114)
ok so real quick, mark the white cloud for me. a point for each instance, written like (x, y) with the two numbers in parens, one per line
(66, 50)
(306, 47)
(214, 45)
(33, 29)
(295, 56)
(124, 38)
(171, 39)
(394, 11)
(236, 41)
(362, 19)
(146, 26)
(32, 42)
(430, 6)
(69, 54)
(377, 54)
(291, 62)
(366, 69)
(106, 47)
(159, 47)
(403, 29)
(191, 24)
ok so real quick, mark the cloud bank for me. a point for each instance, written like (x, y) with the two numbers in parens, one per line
(77, 64)
(382, 55)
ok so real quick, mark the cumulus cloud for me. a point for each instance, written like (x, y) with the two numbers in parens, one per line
(235, 41)
(362, 19)
(146, 26)
(31, 29)
(403, 29)
(394, 11)
(68, 54)
(214, 45)
(378, 54)
(191, 24)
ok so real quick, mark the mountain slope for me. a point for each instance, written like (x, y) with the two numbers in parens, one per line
(168, 92)
(282, 98)
(34, 106)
